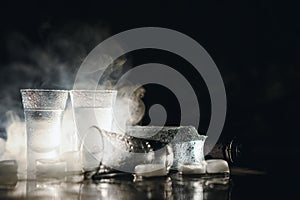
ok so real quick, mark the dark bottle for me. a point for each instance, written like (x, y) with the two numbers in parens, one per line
(229, 150)
(256, 153)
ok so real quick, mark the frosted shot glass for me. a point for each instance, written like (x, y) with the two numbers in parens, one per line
(188, 152)
(43, 111)
(93, 110)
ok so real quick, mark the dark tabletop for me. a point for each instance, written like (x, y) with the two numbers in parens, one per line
(240, 184)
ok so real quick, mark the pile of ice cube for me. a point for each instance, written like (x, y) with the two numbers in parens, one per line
(13, 150)
(213, 166)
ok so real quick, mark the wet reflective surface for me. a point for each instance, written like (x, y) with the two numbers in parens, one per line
(240, 185)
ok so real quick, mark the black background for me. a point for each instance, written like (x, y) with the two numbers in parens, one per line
(255, 45)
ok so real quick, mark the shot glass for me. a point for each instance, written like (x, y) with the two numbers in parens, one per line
(188, 152)
(43, 111)
(93, 110)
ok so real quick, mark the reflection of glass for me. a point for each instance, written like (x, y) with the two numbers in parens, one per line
(155, 188)
(43, 114)
(44, 190)
(201, 187)
(126, 189)
(92, 109)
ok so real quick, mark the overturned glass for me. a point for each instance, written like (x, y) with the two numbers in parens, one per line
(185, 141)
(123, 153)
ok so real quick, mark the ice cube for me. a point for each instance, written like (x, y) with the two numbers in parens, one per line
(50, 168)
(8, 181)
(215, 166)
(151, 170)
(8, 167)
(8, 174)
(2, 146)
(192, 168)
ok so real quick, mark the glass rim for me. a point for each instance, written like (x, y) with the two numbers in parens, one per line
(159, 127)
(42, 90)
(94, 91)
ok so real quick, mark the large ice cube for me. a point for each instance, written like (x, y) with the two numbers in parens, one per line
(151, 170)
(192, 168)
(215, 166)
